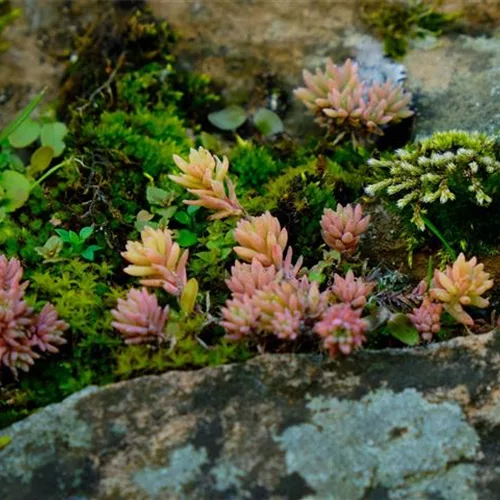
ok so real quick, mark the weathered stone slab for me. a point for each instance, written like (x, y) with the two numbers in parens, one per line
(398, 424)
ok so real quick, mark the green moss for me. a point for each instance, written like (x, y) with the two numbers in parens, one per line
(254, 166)
(399, 22)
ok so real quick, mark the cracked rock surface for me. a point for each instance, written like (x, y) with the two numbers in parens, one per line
(397, 424)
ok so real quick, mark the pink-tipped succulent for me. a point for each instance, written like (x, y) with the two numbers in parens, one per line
(427, 318)
(261, 238)
(139, 318)
(342, 329)
(342, 228)
(247, 278)
(157, 260)
(205, 176)
(287, 306)
(346, 105)
(22, 333)
(240, 318)
(48, 330)
(281, 308)
(462, 284)
(351, 290)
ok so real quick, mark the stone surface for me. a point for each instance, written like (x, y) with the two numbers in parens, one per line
(398, 424)
(456, 85)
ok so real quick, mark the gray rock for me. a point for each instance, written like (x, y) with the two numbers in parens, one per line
(456, 85)
(398, 424)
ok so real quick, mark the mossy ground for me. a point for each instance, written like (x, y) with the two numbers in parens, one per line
(128, 108)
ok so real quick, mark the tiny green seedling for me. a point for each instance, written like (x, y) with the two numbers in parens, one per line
(77, 242)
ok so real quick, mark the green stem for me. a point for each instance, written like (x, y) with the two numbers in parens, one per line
(435, 231)
(48, 173)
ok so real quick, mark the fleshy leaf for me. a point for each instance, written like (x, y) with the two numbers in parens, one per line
(25, 134)
(267, 122)
(40, 159)
(16, 189)
(229, 118)
(401, 327)
(52, 134)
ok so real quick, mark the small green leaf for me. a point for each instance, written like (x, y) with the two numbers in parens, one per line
(158, 196)
(52, 134)
(74, 239)
(64, 235)
(88, 253)
(229, 118)
(192, 209)
(166, 213)
(186, 238)
(16, 189)
(85, 232)
(40, 160)
(401, 327)
(25, 134)
(267, 122)
(183, 218)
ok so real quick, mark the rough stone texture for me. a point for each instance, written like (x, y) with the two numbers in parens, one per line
(411, 423)
(457, 84)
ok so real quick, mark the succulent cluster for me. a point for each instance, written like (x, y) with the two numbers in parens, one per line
(342, 228)
(436, 176)
(205, 176)
(461, 284)
(345, 105)
(269, 297)
(24, 334)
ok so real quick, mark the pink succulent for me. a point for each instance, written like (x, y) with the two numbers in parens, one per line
(240, 317)
(139, 318)
(21, 332)
(341, 329)
(303, 301)
(158, 260)
(351, 290)
(205, 176)
(47, 330)
(346, 105)
(462, 284)
(261, 238)
(247, 278)
(341, 228)
(427, 318)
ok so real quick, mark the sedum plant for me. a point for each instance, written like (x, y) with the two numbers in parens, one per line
(341, 228)
(139, 318)
(24, 334)
(205, 176)
(427, 318)
(461, 284)
(158, 260)
(449, 179)
(347, 106)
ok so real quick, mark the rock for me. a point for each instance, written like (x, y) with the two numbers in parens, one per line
(398, 424)
(456, 85)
